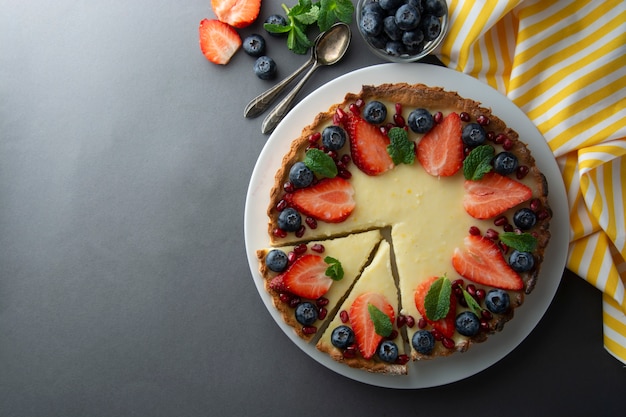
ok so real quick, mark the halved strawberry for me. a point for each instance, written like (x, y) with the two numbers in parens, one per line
(367, 339)
(306, 278)
(440, 151)
(330, 200)
(218, 41)
(368, 145)
(482, 262)
(237, 13)
(493, 195)
(445, 325)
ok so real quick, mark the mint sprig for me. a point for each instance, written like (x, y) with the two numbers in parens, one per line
(320, 163)
(334, 270)
(523, 242)
(478, 162)
(437, 300)
(382, 323)
(400, 149)
(472, 304)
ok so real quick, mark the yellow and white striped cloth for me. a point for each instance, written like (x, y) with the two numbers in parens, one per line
(563, 62)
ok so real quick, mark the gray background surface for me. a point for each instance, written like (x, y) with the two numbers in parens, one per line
(124, 286)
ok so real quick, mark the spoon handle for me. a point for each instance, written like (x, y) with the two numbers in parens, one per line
(260, 103)
(281, 109)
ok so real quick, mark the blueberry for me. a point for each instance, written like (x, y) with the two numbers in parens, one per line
(413, 40)
(388, 351)
(423, 342)
(407, 17)
(497, 301)
(391, 29)
(306, 313)
(276, 19)
(378, 41)
(467, 323)
(276, 260)
(289, 220)
(431, 26)
(373, 7)
(375, 112)
(265, 68)
(394, 48)
(300, 175)
(420, 120)
(434, 7)
(473, 134)
(371, 24)
(333, 137)
(390, 4)
(342, 337)
(521, 261)
(505, 163)
(524, 218)
(254, 45)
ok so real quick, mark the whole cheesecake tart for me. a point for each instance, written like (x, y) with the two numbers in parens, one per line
(418, 181)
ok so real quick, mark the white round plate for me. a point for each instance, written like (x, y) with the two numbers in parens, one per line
(479, 357)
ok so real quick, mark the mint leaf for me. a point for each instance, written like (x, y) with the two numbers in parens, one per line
(401, 149)
(472, 304)
(437, 300)
(308, 15)
(478, 162)
(524, 242)
(334, 10)
(334, 270)
(382, 323)
(274, 28)
(320, 163)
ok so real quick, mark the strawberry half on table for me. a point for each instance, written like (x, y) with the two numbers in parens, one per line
(237, 13)
(218, 41)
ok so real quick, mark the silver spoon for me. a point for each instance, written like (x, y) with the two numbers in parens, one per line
(328, 50)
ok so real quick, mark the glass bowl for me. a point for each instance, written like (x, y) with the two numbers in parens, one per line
(380, 45)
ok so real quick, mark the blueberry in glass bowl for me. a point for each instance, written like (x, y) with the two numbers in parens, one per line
(402, 30)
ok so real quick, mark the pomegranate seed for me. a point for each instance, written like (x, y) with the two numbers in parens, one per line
(402, 359)
(360, 103)
(311, 222)
(437, 335)
(467, 150)
(321, 314)
(438, 117)
(400, 321)
(507, 144)
(503, 247)
(465, 117)
(421, 323)
(285, 298)
(508, 227)
(491, 136)
(471, 289)
(291, 257)
(483, 120)
(448, 343)
(535, 235)
(309, 329)
(288, 187)
(392, 335)
(300, 231)
(340, 165)
(350, 352)
(300, 248)
(491, 234)
(278, 232)
(318, 247)
(398, 108)
(480, 294)
(343, 315)
(345, 158)
(384, 130)
(535, 204)
(281, 205)
(486, 314)
(458, 283)
(399, 120)
(340, 116)
(294, 301)
(521, 171)
(500, 138)
(355, 109)
(332, 154)
(543, 214)
(484, 325)
(474, 231)
(315, 137)
(345, 174)
(322, 301)
(410, 321)
(500, 221)
(462, 302)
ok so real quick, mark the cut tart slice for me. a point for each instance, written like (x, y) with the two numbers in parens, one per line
(306, 281)
(364, 334)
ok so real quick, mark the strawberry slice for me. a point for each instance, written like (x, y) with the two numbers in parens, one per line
(493, 195)
(368, 145)
(237, 13)
(440, 151)
(367, 339)
(482, 262)
(218, 41)
(306, 278)
(330, 200)
(445, 325)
